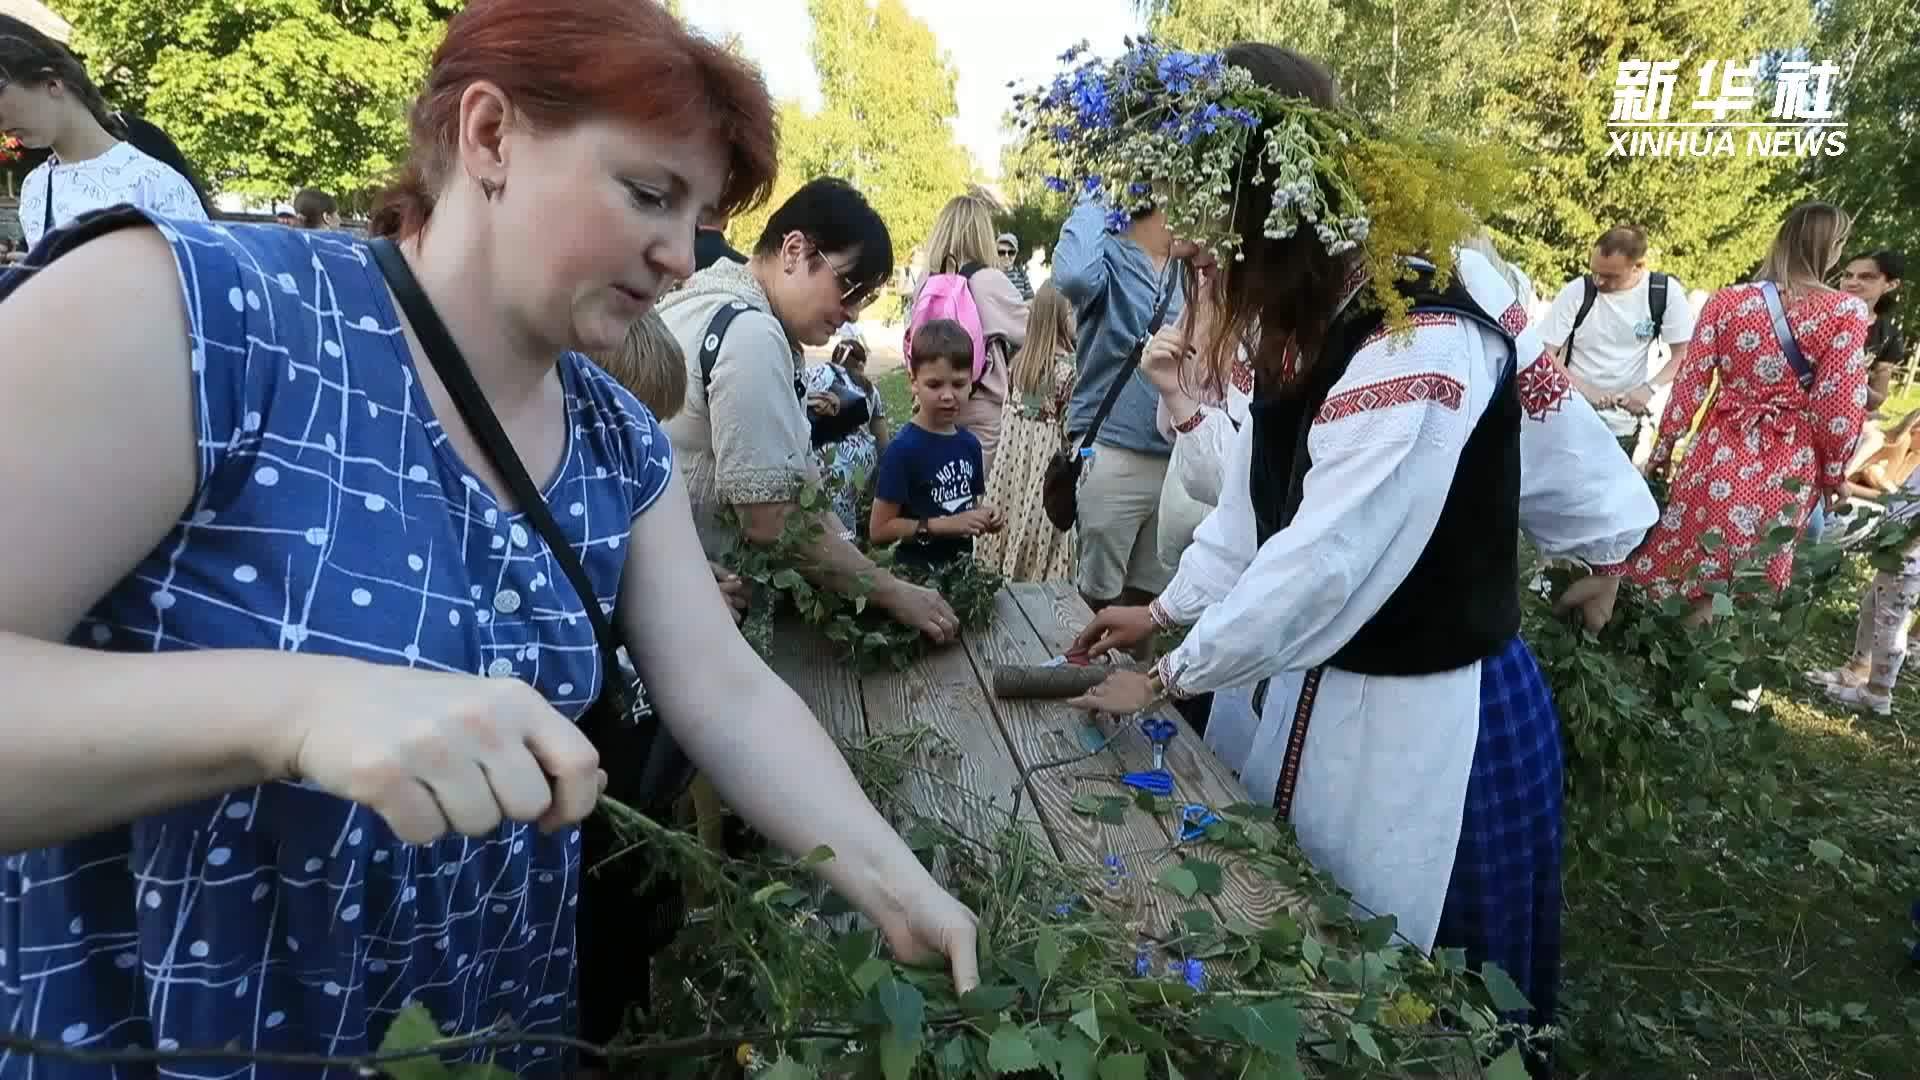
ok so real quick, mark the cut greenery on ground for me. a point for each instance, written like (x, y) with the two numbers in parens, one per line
(1763, 930)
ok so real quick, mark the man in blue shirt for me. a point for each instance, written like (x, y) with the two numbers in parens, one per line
(1113, 281)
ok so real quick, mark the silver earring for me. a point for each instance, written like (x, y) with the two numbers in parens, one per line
(490, 188)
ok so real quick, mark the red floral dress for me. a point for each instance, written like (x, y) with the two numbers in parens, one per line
(1761, 431)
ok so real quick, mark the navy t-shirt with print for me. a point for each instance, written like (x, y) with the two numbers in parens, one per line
(928, 476)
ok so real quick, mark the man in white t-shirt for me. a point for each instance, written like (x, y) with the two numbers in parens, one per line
(1614, 319)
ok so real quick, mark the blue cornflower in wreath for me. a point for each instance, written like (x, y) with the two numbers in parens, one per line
(1191, 134)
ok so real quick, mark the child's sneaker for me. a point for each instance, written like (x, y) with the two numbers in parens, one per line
(1861, 698)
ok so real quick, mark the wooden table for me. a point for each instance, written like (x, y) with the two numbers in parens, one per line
(999, 741)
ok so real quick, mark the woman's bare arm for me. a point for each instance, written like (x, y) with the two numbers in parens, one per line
(97, 428)
(766, 754)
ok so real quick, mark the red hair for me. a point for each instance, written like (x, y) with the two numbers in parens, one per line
(562, 61)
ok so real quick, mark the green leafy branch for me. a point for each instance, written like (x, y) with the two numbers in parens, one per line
(867, 638)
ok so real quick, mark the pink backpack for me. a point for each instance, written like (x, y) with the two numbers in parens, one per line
(948, 296)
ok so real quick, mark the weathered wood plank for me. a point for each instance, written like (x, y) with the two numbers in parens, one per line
(969, 782)
(805, 660)
(1198, 775)
(1048, 731)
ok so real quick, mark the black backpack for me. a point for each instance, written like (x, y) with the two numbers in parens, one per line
(1656, 305)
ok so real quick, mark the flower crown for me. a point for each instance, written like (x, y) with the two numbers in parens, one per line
(1163, 129)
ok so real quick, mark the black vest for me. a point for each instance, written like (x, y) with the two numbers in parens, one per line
(1461, 602)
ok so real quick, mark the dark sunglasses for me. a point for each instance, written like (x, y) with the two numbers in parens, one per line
(854, 295)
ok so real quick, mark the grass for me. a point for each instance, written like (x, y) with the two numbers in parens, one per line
(1730, 948)
(896, 395)
(1742, 945)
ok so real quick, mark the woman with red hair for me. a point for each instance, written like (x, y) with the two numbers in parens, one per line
(292, 738)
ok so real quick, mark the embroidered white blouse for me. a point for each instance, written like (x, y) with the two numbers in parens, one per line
(1379, 793)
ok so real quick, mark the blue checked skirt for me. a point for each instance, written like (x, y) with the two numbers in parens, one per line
(1503, 902)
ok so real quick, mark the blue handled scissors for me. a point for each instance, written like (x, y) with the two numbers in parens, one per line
(1194, 819)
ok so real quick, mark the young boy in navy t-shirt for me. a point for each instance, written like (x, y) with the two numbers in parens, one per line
(927, 492)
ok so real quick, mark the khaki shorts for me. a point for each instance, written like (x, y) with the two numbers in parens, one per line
(1119, 527)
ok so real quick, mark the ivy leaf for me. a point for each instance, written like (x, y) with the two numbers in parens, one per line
(1281, 935)
(788, 1069)
(1180, 880)
(1074, 1057)
(1146, 802)
(1113, 810)
(1084, 803)
(1198, 921)
(1206, 874)
(1046, 953)
(1362, 1037)
(1506, 994)
(1274, 1027)
(1022, 973)
(1221, 1021)
(788, 579)
(1826, 851)
(903, 1006)
(1312, 951)
(1508, 1066)
(987, 1000)
(1173, 1071)
(1088, 1021)
(1011, 1051)
(1377, 933)
(413, 1029)
(898, 1052)
(855, 947)
(1124, 1067)
(870, 972)
(769, 891)
(953, 1056)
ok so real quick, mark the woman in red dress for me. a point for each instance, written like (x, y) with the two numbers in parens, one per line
(1766, 425)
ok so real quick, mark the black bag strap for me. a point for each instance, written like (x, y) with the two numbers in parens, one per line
(46, 225)
(1133, 361)
(1592, 292)
(472, 404)
(717, 333)
(1783, 331)
(1657, 300)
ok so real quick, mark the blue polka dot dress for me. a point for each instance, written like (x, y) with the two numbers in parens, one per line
(330, 516)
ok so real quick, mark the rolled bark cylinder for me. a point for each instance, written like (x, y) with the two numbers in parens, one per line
(1017, 681)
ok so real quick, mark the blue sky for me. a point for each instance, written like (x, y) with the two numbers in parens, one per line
(988, 41)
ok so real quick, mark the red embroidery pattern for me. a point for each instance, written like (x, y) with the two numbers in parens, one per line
(1243, 376)
(1405, 390)
(1191, 422)
(1418, 320)
(1544, 387)
(1514, 319)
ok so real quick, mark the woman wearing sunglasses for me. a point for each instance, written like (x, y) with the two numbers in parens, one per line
(744, 440)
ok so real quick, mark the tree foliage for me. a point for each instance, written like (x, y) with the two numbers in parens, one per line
(1536, 80)
(1876, 45)
(269, 95)
(887, 101)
